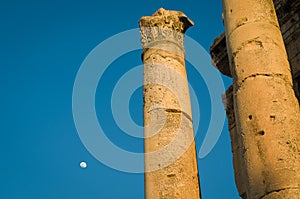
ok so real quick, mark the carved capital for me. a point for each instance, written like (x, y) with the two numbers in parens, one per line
(164, 26)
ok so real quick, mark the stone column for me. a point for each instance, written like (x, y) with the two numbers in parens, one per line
(170, 158)
(236, 144)
(266, 109)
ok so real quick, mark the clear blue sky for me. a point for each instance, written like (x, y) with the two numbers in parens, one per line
(42, 46)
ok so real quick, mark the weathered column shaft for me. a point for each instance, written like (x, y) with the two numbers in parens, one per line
(266, 109)
(236, 144)
(170, 158)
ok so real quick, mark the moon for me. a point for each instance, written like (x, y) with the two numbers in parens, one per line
(83, 165)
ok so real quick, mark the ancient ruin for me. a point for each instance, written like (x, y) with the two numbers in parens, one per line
(170, 156)
(260, 50)
(261, 105)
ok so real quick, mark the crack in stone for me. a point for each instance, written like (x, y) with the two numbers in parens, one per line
(261, 74)
(252, 41)
(168, 55)
(245, 21)
(278, 190)
(273, 75)
(154, 44)
(257, 41)
(171, 110)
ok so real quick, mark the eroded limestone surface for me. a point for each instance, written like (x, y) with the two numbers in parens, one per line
(170, 156)
(262, 107)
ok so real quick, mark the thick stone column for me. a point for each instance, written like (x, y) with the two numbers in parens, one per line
(266, 109)
(170, 158)
(236, 144)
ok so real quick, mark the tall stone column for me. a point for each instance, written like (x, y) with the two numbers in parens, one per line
(170, 158)
(266, 109)
(236, 144)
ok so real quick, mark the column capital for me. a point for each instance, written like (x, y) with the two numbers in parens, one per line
(164, 26)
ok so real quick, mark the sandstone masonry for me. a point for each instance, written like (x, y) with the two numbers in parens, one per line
(170, 156)
(261, 105)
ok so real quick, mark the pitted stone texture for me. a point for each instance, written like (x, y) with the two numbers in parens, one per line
(169, 135)
(165, 82)
(170, 155)
(236, 145)
(170, 183)
(158, 96)
(246, 12)
(262, 44)
(171, 151)
(270, 134)
(266, 109)
(289, 20)
(166, 59)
